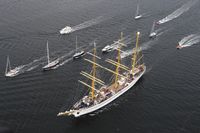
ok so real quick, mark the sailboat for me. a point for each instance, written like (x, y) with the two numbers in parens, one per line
(51, 64)
(115, 45)
(78, 54)
(153, 32)
(138, 15)
(99, 97)
(10, 72)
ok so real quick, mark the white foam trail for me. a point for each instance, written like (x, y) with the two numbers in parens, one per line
(144, 46)
(89, 23)
(190, 40)
(178, 12)
(185, 39)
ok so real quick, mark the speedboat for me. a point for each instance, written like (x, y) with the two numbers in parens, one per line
(12, 73)
(106, 49)
(158, 22)
(179, 46)
(152, 35)
(66, 30)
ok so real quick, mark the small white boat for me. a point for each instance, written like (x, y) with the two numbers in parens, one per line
(78, 54)
(153, 32)
(51, 64)
(179, 46)
(66, 30)
(107, 49)
(10, 72)
(158, 23)
(138, 15)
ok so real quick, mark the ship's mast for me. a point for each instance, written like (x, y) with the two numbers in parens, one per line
(118, 62)
(94, 72)
(48, 52)
(76, 44)
(135, 52)
(8, 67)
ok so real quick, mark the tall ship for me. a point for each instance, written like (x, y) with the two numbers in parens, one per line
(98, 97)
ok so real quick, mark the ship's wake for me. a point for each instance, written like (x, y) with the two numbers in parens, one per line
(63, 56)
(87, 24)
(178, 12)
(146, 45)
(189, 40)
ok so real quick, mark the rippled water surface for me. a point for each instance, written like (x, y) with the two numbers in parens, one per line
(165, 100)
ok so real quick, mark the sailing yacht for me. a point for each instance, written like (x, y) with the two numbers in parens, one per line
(66, 30)
(51, 64)
(113, 46)
(138, 15)
(10, 72)
(153, 32)
(78, 54)
(98, 97)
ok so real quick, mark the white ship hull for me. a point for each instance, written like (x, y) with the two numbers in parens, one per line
(138, 17)
(78, 113)
(51, 65)
(66, 30)
(152, 35)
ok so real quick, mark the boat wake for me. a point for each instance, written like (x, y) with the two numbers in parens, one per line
(126, 41)
(146, 45)
(178, 12)
(189, 40)
(89, 23)
(63, 56)
(83, 25)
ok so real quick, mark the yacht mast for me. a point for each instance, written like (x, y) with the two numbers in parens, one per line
(76, 44)
(48, 61)
(8, 67)
(137, 10)
(153, 27)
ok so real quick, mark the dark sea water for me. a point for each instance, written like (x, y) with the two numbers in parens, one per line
(165, 100)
